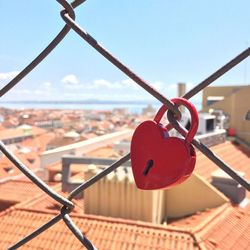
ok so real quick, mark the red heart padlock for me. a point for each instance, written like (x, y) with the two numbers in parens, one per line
(159, 160)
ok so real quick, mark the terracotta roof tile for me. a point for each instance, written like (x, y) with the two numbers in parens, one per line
(106, 234)
(222, 228)
(8, 169)
(46, 204)
(40, 142)
(232, 154)
(19, 132)
(225, 227)
(231, 230)
(107, 152)
(16, 191)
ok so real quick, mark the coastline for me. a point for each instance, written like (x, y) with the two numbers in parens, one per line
(132, 107)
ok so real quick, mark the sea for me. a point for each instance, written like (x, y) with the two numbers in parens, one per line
(132, 107)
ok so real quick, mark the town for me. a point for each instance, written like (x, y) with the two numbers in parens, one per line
(68, 147)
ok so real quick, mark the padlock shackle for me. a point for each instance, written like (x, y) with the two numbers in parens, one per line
(194, 116)
(163, 109)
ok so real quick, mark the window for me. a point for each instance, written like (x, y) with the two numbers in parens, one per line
(9, 169)
(248, 116)
(210, 125)
(213, 99)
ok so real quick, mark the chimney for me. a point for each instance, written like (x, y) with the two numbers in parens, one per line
(228, 186)
(181, 89)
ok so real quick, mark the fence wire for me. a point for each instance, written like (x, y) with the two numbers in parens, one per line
(68, 15)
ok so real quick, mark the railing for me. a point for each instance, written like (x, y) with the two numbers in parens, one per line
(68, 15)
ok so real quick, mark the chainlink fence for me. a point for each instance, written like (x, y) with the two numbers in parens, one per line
(68, 15)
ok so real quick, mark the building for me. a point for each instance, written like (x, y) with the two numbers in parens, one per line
(208, 211)
(225, 226)
(234, 101)
(18, 135)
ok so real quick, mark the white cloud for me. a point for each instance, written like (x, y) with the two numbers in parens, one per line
(8, 75)
(128, 82)
(39, 92)
(173, 86)
(118, 89)
(45, 89)
(158, 85)
(21, 92)
(47, 84)
(70, 80)
(124, 89)
(101, 83)
(189, 85)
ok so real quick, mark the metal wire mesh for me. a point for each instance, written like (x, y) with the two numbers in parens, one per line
(68, 15)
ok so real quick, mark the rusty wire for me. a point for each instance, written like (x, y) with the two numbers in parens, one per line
(68, 15)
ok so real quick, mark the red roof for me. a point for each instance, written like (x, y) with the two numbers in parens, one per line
(225, 227)
(105, 233)
(221, 228)
(234, 155)
(19, 132)
(8, 169)
(40, 142)
(17, 191)
(47, 204)
(230, 230)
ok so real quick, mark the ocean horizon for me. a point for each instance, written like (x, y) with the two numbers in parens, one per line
(134, 107)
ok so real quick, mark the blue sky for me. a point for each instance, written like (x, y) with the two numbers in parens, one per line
(163, 41)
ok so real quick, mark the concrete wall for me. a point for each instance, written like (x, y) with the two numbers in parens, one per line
(116, 195)
(80, 148)
(218, 91)
(193, 195)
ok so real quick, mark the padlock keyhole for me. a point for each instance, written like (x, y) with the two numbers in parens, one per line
(149, 165)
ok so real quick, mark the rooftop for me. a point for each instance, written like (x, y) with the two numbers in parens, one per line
(8, 170)
(20, 132)
(234, 155)
(225, 227)
(17, 191)
(106, 233)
